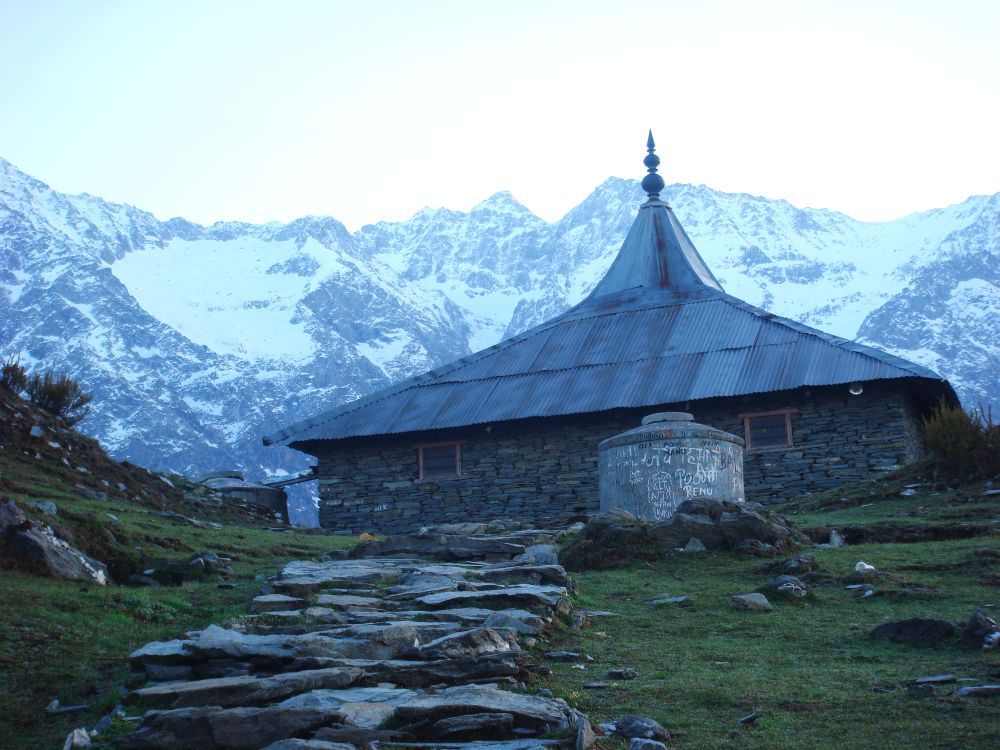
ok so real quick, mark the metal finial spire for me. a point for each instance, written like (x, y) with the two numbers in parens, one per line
(652, 183)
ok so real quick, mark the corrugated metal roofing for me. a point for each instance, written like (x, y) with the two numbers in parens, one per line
(657, 330)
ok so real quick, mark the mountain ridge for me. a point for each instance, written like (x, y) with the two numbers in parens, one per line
(197, 340)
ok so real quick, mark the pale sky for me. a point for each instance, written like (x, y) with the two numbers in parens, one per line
(261, 111)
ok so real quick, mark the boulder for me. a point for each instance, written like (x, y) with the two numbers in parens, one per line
(979, 628)
(614, 539)
(754, 602)
(12, 517)
(38, 548)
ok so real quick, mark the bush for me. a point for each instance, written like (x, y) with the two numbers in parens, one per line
(13, 377)
(965, 445)
(59, 395)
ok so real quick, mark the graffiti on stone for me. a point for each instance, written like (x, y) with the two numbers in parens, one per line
(655, 477)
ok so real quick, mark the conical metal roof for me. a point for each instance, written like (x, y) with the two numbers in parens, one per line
(657, 329)
(657, 253)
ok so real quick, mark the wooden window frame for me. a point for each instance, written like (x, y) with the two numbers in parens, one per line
(421, 474)
(789, 438)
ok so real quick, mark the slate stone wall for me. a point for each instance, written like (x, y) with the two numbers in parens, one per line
(534, 469)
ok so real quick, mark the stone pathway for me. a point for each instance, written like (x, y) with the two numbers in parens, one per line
(414, 643)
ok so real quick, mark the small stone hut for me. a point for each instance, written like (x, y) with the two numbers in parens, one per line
(512, 431)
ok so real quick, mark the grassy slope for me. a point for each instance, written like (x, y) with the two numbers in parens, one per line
(809, 669)
(66, 640)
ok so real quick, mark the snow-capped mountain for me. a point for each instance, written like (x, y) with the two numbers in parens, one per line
(196, 341)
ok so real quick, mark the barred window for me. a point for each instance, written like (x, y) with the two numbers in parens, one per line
(772, 429)
(440, 461)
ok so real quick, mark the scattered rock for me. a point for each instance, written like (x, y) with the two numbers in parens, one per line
(563, 655)
(794, 566)
(864, 570)
(45, 506)
(916, 630)
(665, 600)
(938, 679)
(639, 743)
(978, 691)
(755, 601)
(694, 544)
(980, 631)
(623, 673)
(77, 738)
(786, 586)
(641, 727)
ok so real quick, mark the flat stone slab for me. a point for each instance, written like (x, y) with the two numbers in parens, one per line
(978, 691)
(243, 691)
(242, 728)
(445, 547)
(531, 710)
(275, 602)
(301, 577)
(505, 572)
(417, 674)
(547, 596)
(368, 708)
(468, 643)
(161, 652)
(297, 744)
(343, 601)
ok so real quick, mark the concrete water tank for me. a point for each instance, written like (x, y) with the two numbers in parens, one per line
(670, 458)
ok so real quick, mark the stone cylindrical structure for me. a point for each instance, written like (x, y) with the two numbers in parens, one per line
(650, 470)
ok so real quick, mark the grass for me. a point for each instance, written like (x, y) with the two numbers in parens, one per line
(66, 640)
(809, 670)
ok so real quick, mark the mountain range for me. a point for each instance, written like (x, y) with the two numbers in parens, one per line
(196, 341)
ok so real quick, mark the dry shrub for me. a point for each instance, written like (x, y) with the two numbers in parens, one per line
(59, 395)
(13, 376)
(965, 445)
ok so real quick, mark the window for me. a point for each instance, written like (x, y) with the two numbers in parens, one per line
(770, 429)
(440, 461)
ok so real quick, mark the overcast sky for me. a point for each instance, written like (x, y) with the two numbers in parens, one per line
(262, 111)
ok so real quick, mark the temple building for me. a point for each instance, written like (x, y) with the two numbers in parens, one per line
(512, 431)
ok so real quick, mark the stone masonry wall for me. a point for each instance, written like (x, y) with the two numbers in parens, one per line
(538, 468)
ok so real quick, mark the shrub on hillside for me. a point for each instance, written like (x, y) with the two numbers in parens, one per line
(59, 395)
(13, 376)
(965, 445)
